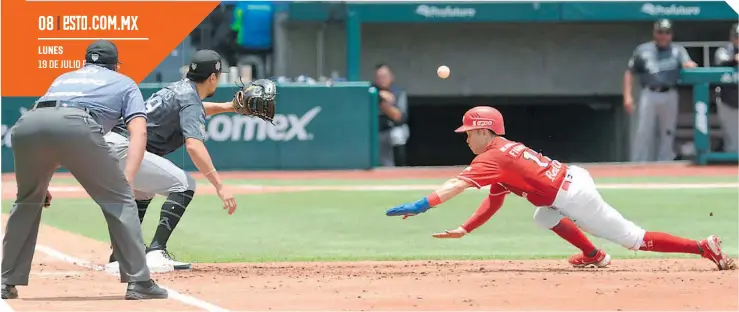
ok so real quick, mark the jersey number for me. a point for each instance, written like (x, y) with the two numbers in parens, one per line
(552, 173)
(529, 156)
(152, 104)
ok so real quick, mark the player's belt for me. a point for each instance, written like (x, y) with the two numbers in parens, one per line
(660, 89)
(46, 104)
(566, 182)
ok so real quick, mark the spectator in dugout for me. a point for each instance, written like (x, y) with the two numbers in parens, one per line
(394, 131)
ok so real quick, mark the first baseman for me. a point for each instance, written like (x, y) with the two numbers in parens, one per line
(657, 64)
(176, 117)
(65, 127)
(565, 196)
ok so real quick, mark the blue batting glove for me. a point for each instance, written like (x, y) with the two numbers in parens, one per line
(409, 209)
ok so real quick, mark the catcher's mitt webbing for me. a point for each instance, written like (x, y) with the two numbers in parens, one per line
(257, 99)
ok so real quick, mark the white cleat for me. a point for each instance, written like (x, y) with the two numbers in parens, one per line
(711, 247)
(114, 268)
(162, 258)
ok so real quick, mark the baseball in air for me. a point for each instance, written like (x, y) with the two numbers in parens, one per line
(442, 72)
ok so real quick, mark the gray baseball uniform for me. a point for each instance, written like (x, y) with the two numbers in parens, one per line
(66, 127)
(175, 113)
(727, 104)
(658, 72)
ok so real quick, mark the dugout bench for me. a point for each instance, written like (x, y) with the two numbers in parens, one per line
(701, 80)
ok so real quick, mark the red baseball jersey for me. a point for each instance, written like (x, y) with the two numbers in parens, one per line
(509, 166)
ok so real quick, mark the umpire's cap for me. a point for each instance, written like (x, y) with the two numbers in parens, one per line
(102, 52)
(663, 25)
(734, 32)
(203, 64)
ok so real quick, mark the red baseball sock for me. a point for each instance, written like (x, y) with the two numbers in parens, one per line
(663, 242)
(567, 230)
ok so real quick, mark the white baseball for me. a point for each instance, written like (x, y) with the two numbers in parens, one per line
(443, 72)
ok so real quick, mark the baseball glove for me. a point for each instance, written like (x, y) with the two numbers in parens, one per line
(256, 99)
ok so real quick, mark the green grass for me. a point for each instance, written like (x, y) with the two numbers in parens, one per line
(331, 226)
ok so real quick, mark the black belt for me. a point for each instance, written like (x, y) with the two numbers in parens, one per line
(660, 89)
(45, 104)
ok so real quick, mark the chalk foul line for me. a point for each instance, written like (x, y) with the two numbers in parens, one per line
(173, 294)
(376, 188)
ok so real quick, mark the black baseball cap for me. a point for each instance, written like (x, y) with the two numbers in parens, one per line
(102, 52)
(663, 25)
(204, 63)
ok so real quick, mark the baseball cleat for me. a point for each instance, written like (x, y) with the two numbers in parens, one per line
(600, 260)
(112, 258)
(9, 292)
(145, 290)
(114, 267)
(160, 257)
(711, 247)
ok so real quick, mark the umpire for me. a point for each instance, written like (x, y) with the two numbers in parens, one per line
(657, 64)
(65, 128)
(727, 102)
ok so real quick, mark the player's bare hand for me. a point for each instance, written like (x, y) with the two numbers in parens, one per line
(229, 203)
(690, 64)
(629, 104)
(129, 178)
(736, 58)
(47, 199)
(456, 233)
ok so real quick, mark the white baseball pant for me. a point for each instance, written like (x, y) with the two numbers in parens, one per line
(582, 203)
(157, 175)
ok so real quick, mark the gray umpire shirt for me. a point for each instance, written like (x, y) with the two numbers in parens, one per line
(658, 67)
(110, 96)
(175, 113)
(725, 56)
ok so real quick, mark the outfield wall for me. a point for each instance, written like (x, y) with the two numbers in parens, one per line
(316, 127)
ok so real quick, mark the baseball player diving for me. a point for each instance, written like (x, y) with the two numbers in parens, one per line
(565, 196)
(176, 117)
(65, 127)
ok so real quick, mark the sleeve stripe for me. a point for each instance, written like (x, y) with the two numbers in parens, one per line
(501, 193)
(189, 136)
(477, 185)
(134, 115)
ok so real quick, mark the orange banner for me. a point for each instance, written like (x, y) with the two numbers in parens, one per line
(43, 39)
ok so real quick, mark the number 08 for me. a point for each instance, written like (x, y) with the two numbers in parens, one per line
(45, 23)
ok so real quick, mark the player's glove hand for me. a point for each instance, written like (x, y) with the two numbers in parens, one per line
(456, 233)
(257, 99)
(409, 209)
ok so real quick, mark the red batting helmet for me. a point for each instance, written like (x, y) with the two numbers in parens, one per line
(482, 117)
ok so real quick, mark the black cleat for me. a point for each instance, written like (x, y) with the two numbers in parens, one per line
(9, 292)
(145, 290)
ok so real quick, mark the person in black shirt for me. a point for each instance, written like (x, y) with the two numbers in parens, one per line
(393, 116)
